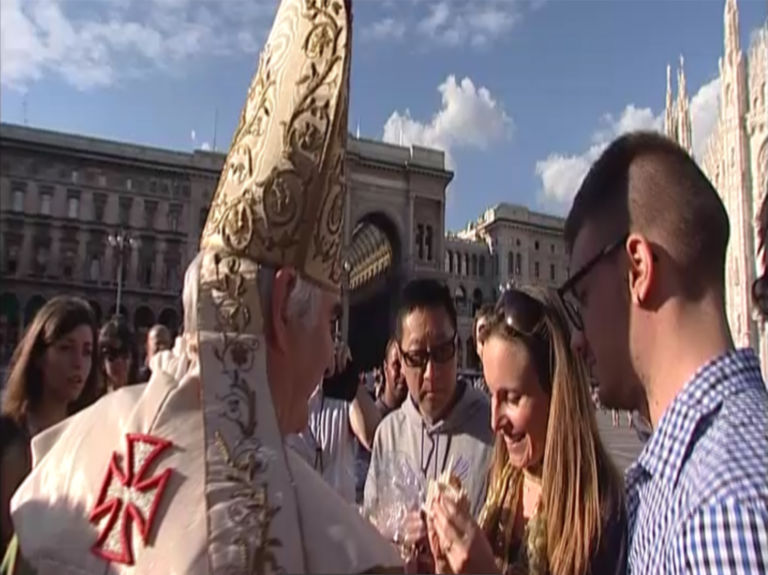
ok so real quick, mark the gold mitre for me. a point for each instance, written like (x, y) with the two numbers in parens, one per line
(280, 198)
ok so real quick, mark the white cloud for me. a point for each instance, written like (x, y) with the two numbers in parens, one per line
(561, 174)
(476, 23)
(469, 118)
(705, 107)
(206, 146)
(385, 29)
(95, 43)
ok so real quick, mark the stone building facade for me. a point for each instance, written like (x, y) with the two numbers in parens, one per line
(507, 244)
(736, 162)
(63, 195)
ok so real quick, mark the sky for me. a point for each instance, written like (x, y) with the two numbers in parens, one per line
(521, 94)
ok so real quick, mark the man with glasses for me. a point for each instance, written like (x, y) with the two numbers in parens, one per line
(647, 236)
(442, 425)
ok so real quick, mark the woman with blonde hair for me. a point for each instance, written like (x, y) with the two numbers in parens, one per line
(554, 502)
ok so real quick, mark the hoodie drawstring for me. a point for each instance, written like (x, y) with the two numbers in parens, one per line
(434, 450)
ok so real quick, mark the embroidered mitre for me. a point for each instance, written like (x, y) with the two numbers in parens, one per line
(280, 197)
(279, 203)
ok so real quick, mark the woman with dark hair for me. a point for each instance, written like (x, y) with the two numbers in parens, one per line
(555, 500)
(51, 377)
(119, 355)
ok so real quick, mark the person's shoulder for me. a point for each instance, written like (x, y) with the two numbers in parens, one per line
(731, 456)
(393, 422)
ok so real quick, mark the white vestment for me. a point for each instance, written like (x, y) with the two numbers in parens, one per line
(52, 507)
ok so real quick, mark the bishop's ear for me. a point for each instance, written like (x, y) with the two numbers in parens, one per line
(282, 286)
(642, 268)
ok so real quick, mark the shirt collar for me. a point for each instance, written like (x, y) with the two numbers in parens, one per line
(719, 379)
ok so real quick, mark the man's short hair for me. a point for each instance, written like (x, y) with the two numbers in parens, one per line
(646, 183)
(424, 294)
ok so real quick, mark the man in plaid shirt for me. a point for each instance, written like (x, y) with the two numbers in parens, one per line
(647, 236)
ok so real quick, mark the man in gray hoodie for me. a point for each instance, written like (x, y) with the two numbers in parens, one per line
(442, 425)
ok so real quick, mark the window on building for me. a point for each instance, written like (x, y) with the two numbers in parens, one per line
(474, 264)
(481, 266)
(68, 263)
(75, 176)
(510, 263)
(41, 260)
(536, 269)
(147, 269)
(428, 242)
(536, 245)
(174, 217)
(99, 203)
(420, 240)
(203, 217)
(552, 276)
(466, 264)
(18, 200)
(94, 270)
(128, 184)
(45, 204)
(150, 209)
(551, 248)
(73, 207)
(125, 210)
(102, 180)
(171, 275)
(518, 264)
(517, 242)
(12, 260)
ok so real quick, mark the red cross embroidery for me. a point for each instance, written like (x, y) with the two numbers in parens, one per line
(128, 498)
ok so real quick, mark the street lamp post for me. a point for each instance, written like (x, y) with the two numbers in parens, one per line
(121, 241)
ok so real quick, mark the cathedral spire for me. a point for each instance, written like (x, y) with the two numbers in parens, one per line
(683, 110)
(669, 115)
(731, 16)
(681, 85)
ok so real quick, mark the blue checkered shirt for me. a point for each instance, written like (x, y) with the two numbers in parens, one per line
(697, 496)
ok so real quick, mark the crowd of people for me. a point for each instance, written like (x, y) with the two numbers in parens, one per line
(257, 445)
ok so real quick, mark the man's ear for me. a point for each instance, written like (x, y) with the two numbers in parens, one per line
(282, 286)
(642, 268)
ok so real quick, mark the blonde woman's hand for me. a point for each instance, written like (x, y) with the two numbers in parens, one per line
(461, 541)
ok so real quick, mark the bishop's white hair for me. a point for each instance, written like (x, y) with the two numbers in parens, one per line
(303, 300)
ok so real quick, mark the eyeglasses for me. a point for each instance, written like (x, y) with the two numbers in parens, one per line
(522, 313)
(441, 353)
(566, 293)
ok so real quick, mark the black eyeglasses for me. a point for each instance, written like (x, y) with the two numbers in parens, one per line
(566, 293)
(441, 353)
(522, 312)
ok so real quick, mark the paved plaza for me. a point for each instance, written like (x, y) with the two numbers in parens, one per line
(622, 442)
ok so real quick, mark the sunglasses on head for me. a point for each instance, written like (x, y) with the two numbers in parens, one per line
(522, 313)
(441, 353)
